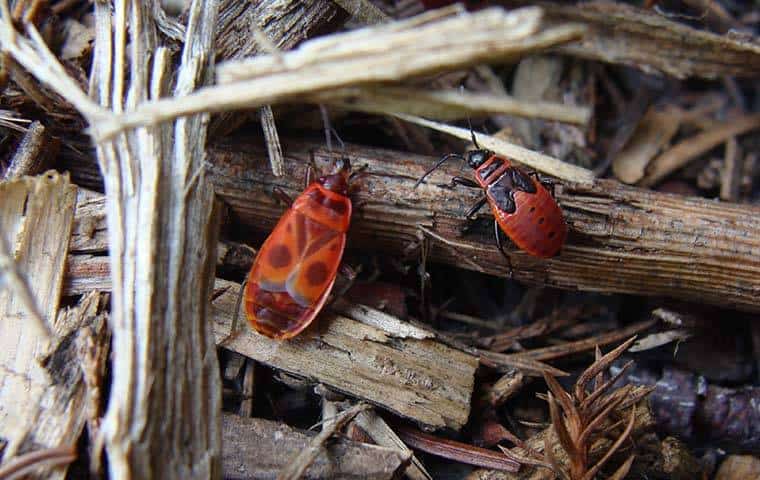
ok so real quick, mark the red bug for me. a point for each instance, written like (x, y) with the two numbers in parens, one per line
(295, 269)
(522, 206)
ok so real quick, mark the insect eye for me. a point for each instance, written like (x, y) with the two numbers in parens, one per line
(476, 158)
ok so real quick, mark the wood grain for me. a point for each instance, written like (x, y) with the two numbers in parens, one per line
(42, 393)
(417, 378)
(255, 448)
(621, 239)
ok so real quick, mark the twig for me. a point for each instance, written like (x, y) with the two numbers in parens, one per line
(549, 353)
(379, 54)
(539, 161)
(382, 434)
(296, 468)
(274, 149)
(448, 104)
(31, 154)
(731, 176)
(49, 457)
(692, 147)
(528, 365)
(457, 451)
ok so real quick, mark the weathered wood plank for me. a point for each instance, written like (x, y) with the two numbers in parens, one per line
(420, 379)
(38, 408)
(254, 448)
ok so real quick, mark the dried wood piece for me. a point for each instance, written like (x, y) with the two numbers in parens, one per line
(389, 52)
(162, 227)
(274, 149)
(506, 386)
(294, 469)
(624, 34)
(25, 464)
(36, 214)
(622, 239)
(690, 148)
(33, 154)
(364, 11)
(418, 379)
(259, 449)
(456, 451)
(738, 467)
(654, 131)
(249, 378)
(382, 434)
(448, 104)
(731, 176)
(569, 348)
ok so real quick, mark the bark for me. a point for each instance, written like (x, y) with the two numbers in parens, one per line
(163, 417)
(621, 240)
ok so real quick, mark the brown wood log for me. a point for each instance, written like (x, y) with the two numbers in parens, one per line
(258, 448)
(621, 239)
(628, 35)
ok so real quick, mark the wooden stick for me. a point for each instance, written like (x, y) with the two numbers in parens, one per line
(294, 469)
(622, 239)
(389, 52)
(624, 34)
(162, 235)
(692, 147)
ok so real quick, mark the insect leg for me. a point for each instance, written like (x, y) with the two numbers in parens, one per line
(312, 168)
(470, 215)
(466, 182)
(497, 234)
(281, 196)
(350, 274)
(470, 219)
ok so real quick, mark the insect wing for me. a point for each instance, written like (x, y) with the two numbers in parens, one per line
(292, 275)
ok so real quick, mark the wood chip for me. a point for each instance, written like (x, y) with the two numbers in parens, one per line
(654, 131)
(33, 154)
(730, 179)
(258, 448)
(690, 148)
(382, 434)
(389, 52)
(419, 379)
(36, 215)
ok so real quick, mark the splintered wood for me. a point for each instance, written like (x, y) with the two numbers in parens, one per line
(420, 379)
(620, 33)
(258, 448)
(43, 397)
(429, 43)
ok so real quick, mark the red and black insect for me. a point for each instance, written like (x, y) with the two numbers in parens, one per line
(295, 268)
(522, 206)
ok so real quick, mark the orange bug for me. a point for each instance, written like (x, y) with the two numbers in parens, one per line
(522, 206)
(295, 269)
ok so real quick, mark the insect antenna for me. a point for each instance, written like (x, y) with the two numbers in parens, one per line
(472, 134)
(437, 164)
